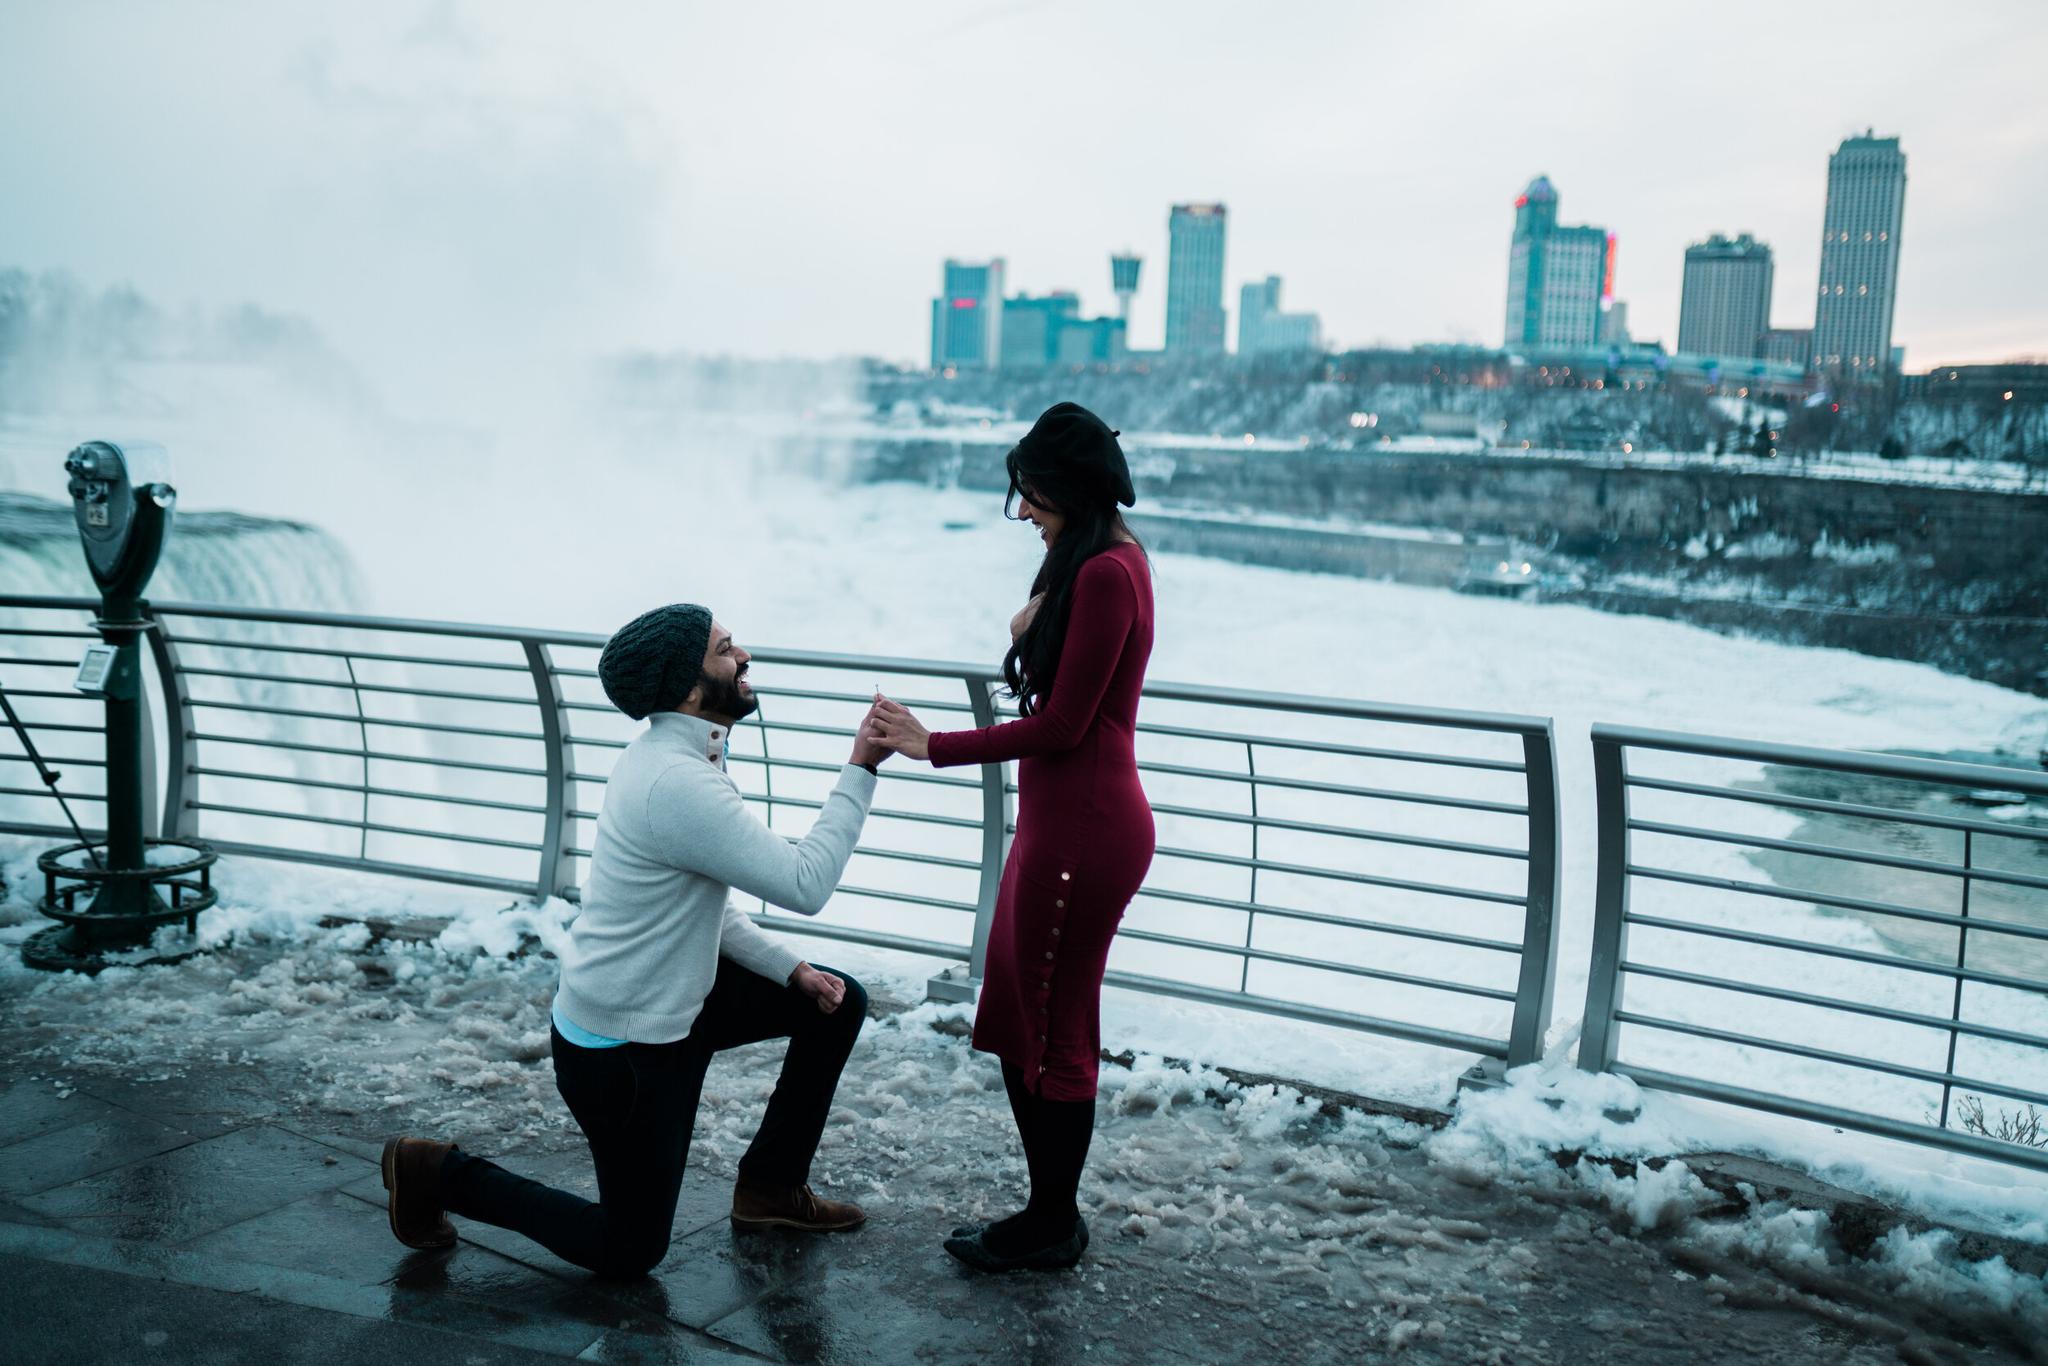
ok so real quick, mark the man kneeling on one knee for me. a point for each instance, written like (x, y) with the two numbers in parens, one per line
(662, 971)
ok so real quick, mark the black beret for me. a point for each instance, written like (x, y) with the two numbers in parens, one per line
(651, 663)
(1081, 446)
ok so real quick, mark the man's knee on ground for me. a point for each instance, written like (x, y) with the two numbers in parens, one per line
(633, 1258)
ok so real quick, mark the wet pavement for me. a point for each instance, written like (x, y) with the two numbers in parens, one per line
(210, 1193)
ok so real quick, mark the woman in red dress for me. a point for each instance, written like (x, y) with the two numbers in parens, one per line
(1084, 835)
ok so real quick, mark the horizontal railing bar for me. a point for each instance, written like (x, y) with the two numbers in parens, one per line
(971, 865)
(852, 935)
(62, 832)
(1940, 1023)
(1881, 960)
(1319, 964)
(1946, 772)
(430, 761)
(1329, 747)
(327, 652)
(371, 826)
(1314, 828)
(1334, 789)
(1325, 918)
(819, 766)
(351, 863)
(397, 625)
(61, 694)
(46, 634)
(38, 663)
(1888, 814)
(1826, 1055)
(346, 718)
(53, 759)
(1357, 711)
(1848, 903)
(51, 794)
(61, 728)
(1830, 851)
(1342, 875)
(861, 700)
(874, 813)
(907, 898)
(1997, 1150)
(593, 742)
(440, 694)
(805, 728)
(400, 793)
(1267, 1005)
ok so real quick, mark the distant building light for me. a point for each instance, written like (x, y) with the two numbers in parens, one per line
(2008, 396)
(965, 303)
(1628, 448)
(1250, 440)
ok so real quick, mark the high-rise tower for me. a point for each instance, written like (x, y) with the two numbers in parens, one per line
(1557, 276)
(1724, 304)
(967, 317)
(1194, 280)
(1859, 256)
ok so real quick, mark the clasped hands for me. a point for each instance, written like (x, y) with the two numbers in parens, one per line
(889, 728)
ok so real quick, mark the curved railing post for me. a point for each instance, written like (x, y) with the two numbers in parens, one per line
(181, 752)
(550, 879)
(1610, 905)
(995, 831)
(1538, 977)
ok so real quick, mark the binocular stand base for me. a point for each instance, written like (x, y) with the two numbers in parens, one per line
(60, 948)
(110, 916)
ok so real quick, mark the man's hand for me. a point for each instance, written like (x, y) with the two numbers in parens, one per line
(866, 748)
(896, 730)
(828, 991)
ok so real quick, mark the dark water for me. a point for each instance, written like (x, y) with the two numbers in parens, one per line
(1987, 900)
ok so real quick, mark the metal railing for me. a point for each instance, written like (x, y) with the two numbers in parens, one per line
(1315, 861)
(1300, 866)
(1935, 951)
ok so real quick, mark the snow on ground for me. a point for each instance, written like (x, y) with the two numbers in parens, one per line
(1409, 1237)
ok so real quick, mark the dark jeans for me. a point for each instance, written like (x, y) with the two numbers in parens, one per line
(637, 1104)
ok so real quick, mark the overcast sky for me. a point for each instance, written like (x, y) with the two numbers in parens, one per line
(436, 182)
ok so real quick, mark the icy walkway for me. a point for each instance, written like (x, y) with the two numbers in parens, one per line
(187, 1173)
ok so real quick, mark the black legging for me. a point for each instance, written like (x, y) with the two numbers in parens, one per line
(637, 1104)
(1056, 1135)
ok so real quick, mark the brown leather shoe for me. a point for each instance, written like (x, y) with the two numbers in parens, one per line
(412, 1174)
(755, 1206)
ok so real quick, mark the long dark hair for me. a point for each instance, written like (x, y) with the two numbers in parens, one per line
(1092, 525)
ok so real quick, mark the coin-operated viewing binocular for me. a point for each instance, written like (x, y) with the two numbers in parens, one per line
(108, 894)
(122, 500)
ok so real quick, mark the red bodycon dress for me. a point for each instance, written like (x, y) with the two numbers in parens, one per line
(1084, 834)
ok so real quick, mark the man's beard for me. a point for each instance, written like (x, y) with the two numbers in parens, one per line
(722, 697)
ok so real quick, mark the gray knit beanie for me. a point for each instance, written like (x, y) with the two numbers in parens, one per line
(651, 663)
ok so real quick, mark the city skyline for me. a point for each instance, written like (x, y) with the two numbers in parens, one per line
(447, 188)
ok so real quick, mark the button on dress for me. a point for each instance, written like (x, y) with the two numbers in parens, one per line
(1084, 834)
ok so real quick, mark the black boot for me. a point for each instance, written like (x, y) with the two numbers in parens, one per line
(1049, 1231)
(1057, 1256)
